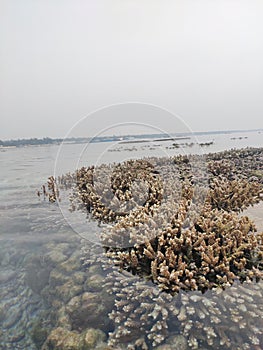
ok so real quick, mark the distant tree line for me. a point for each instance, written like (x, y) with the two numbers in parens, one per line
(28, 142)
(49, 141)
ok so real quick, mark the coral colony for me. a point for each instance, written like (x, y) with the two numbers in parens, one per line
(174, 230)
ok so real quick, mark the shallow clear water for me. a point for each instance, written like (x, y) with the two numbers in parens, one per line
(33, 231)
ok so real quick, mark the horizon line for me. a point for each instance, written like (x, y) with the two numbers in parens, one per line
(126, 135)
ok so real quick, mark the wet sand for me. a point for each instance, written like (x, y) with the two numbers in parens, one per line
(256, 214)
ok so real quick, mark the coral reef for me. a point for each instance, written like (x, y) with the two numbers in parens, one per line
(173, 220)
(218, 248)
(172, 230)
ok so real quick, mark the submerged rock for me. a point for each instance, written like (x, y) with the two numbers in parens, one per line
(68, 290)
(94, 283)
(39, 333)
(57, 278)
(63, 339)
(88, 310)
(178, 342)
(71, 264)
(63, 319)
(93, 337)
(55, 257)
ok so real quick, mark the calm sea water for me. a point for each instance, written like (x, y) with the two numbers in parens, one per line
(28, 224)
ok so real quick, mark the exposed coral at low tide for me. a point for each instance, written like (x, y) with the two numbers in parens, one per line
(173, 220)
(218, 248)
(173, 231)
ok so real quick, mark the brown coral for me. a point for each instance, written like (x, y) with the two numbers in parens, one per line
(173, 220)
(177, 227)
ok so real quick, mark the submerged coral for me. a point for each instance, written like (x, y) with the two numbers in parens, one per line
(219, 319)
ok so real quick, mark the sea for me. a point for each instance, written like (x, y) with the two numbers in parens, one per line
(31, 227)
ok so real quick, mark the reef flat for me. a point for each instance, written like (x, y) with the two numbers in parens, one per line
(179, 264)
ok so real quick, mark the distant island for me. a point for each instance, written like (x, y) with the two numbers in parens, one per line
(123, 139)
(56, 141)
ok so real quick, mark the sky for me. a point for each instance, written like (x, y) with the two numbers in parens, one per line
(199, 61)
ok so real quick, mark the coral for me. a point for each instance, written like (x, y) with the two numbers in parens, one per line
(218, 248)
(234, 195)
(172, 228)
(140, 311)
(229, 318)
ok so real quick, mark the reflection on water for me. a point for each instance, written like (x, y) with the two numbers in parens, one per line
(46, 291)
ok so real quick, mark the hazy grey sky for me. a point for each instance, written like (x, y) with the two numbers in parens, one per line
(62, 59)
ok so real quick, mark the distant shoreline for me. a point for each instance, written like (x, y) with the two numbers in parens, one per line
(121, 139)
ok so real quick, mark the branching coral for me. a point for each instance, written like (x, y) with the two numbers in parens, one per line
(219, 319)
(234, 195)
(174, 222)
(218, 248)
